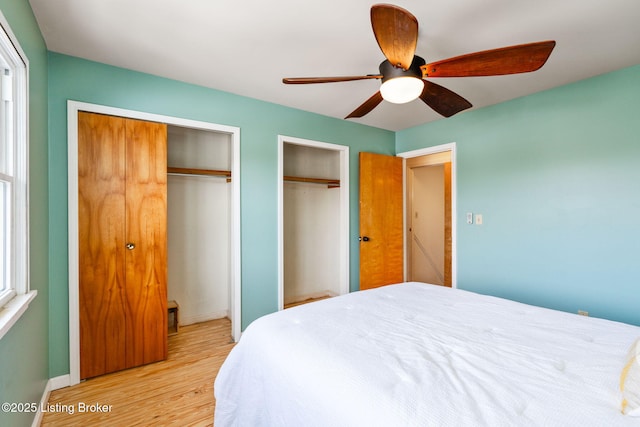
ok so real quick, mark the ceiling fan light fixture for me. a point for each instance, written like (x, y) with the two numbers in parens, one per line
(400, 90)
(402, 72)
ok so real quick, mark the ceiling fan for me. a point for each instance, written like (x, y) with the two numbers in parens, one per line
(404, 74)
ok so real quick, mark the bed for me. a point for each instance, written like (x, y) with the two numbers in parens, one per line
(414, 354)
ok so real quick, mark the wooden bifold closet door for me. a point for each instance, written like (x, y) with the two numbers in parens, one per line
(122, 217)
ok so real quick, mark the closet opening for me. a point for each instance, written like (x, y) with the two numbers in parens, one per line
(199, 223)
(313, 221)
(203, 153)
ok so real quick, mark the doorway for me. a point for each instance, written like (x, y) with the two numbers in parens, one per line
(313, 220)
(430, 206)
(199, 223)
(73, 107)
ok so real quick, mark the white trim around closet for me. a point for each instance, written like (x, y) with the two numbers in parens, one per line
(73, 107)
(344, 210)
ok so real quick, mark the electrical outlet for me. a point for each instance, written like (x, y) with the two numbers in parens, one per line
(469, 217)
(583, 313)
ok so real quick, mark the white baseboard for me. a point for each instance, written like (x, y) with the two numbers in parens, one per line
(43, 403)
(60, 382)
(52, 384)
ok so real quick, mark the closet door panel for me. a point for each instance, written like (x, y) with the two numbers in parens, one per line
(146, 224)
(101, 205)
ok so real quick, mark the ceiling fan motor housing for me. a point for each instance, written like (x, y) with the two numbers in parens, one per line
(390, 71)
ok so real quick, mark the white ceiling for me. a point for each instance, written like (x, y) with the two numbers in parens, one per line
(247, 47)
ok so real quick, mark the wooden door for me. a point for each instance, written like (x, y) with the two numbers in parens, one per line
(122, 200)
(101, 227)
(381, 210)
(146, 228)
(448, 241)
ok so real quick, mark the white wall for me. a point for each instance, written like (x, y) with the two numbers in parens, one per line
(311, 224)
(199, 225)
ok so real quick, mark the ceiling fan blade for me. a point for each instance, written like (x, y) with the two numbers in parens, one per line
(367, 106)
(396, 31)
(307, 80)
(442, 100)
(507, 60)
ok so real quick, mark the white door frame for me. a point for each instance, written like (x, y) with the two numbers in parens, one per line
(344, 210)
(454, 197)
(73, 107)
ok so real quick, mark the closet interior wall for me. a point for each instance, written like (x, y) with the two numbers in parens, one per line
(311, 217)
(199, 224)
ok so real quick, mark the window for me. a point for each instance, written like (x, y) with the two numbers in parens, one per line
(7, 183)
(14, 263)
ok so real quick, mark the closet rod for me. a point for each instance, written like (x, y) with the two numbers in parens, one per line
(199, 172)
(331, 183)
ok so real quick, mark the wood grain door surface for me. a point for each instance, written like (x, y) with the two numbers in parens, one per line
(122, 243)
(381, 225)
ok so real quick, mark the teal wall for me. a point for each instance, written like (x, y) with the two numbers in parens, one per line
(24, 349)
(556, 176)
(260, 124)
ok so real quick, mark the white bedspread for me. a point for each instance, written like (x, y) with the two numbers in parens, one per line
(422, 355)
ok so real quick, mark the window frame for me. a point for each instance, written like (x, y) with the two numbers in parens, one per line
(15, 298)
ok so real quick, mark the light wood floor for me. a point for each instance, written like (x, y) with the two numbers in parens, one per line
(307, 301)
(174, 392)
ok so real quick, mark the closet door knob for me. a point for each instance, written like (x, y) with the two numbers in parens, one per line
(130, 246)
(364, 239)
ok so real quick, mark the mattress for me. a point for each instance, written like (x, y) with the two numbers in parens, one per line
(414, 354)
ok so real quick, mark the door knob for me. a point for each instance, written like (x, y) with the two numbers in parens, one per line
(364, 239)
(130, 246)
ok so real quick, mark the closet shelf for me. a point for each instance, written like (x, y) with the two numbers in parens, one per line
(330, 183)
(201, 172)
